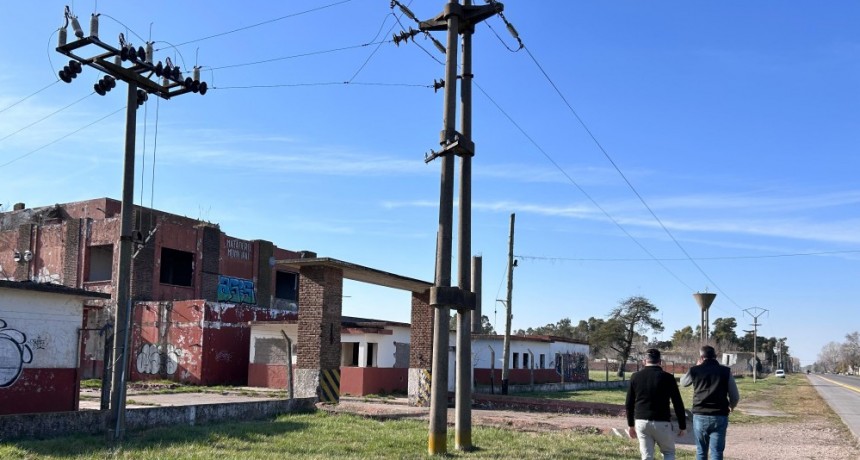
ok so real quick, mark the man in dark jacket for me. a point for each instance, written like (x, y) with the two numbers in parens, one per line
(648, 415)
(715, 394)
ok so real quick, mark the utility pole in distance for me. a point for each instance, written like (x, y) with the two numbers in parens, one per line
(755, 312)
(506, 345)
(138, 75)
(455, 19)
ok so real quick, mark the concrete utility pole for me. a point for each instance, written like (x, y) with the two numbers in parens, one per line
(138, 77)
(506, 347)
(755, 312)
(477, 323)
(455, 19)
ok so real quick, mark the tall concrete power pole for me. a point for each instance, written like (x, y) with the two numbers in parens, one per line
(506, 344)
(134, 66)
(455, 19)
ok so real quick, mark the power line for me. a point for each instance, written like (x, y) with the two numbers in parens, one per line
(62, 137)
(678, 259)
(333, 83)
(575, 184)
(291, 15)
(28, 97)
(623, 176)
(294, 56)
(45, 117)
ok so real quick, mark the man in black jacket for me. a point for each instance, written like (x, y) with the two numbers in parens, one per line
(715, 394)
(648, 415)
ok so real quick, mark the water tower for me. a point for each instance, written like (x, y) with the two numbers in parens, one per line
(704, 299)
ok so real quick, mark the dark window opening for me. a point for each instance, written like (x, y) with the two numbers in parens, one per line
(354, 360)
(286, 286)
(177, 267)
(101, 263)
(525, 361)
(543, 361)
(370, 347)
(516, 364)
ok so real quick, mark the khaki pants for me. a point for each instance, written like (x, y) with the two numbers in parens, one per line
(650, 432)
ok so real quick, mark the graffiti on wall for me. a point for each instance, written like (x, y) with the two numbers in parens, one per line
(236, 290)
(14, 353)
(238, 249)
(155, 359)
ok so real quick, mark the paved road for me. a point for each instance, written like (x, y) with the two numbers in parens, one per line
(842, 393)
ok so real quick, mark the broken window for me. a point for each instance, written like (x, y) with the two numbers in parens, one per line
(177, 267)
(542, 361)
(516, 364)
(349, 354)
(287, 286)
(525, 361)
(101, 263)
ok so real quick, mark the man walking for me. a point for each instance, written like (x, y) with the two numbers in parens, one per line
(648, 415)
(715, 394)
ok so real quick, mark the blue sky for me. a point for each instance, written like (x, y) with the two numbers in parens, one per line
(736, 122)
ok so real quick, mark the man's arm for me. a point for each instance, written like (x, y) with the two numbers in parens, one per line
(629, 404)
(734, 395)
(678, 404)
(687, 379)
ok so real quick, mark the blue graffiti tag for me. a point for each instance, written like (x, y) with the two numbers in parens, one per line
(236, 290)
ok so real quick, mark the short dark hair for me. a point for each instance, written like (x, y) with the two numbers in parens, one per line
(652, 356)
(708, 352)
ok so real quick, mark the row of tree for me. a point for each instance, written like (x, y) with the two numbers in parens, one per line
(840, 357)
(623, 335)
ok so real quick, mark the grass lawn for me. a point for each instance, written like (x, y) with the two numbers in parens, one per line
(323, 436)
(605, 396)
(599, 375)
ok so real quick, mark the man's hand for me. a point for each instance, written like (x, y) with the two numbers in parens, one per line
(681, 433)
(631, 431)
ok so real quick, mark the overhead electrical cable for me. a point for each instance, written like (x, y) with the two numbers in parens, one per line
(63, 137)
(575, 184)
(679, 259)
(28, 97)
(45, 117)
(291, 15)
(294, 56)
(332, 83)
(626, 180)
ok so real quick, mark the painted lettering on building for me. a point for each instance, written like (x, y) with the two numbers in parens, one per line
(14, 353)
(236, 290)
(238, 249)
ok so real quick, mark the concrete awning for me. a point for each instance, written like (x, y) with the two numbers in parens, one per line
(360, 273)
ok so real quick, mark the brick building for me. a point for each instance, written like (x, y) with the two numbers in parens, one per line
(195, 291)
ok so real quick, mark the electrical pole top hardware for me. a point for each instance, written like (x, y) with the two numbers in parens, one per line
(141, 69)
(469, 16)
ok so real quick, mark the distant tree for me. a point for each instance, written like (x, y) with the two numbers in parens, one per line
(632, 318)
(684, 334)
(724, 331)
(830, 357)
(850, 351)
(486, 325)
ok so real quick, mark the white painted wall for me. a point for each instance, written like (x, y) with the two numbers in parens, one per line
(384, 348)
(46, 323)
(273, 331)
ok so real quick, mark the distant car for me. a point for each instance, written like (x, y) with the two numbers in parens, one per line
(779, 374)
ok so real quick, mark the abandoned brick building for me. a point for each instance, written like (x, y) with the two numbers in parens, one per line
(196, 292)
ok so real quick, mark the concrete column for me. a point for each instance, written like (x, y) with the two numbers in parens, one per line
(264, 274)
(210, 254)
(318, 345)
(362, 354)
(420, 350)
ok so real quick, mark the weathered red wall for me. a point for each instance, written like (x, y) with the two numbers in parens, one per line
(41, 390)
(360, 381)
(518, 376)
(267, 375)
